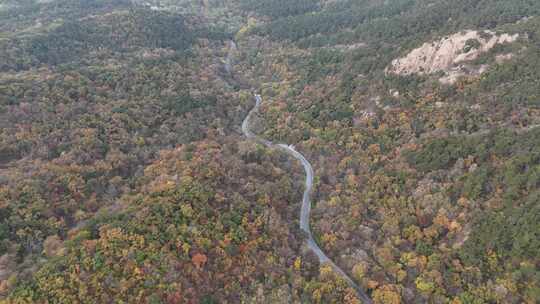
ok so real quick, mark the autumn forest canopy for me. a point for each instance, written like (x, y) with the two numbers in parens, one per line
(125, 176)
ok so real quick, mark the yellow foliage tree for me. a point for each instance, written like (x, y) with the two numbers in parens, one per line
(386, 294)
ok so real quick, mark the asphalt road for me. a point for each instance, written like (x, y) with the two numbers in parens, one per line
(306, 200)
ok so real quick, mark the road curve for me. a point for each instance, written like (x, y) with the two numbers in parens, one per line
(306, 200)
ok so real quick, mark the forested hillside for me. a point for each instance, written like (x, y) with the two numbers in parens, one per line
(125, 178)
(121, 173)
(428, 182)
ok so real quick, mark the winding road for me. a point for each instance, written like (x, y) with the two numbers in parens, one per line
(229, 59)
(306, 200)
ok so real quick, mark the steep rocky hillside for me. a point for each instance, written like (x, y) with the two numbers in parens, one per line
(450, 55)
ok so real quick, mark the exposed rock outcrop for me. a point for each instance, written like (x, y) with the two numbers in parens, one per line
(450, 55)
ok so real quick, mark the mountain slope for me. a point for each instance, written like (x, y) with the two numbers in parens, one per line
(124, 175)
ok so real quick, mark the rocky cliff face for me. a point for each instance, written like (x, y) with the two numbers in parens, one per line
(450, 55)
